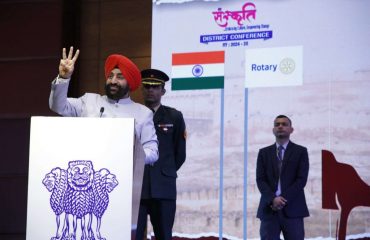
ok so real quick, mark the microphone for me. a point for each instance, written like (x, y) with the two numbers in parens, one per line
(101, 111)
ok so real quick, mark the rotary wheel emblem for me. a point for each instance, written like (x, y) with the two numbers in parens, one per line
(287, 66)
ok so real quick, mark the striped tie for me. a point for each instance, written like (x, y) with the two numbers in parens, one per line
(280, 163)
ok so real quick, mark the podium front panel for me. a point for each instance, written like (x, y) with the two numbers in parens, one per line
(80, 178)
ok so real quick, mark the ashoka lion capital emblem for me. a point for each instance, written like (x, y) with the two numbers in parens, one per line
(76, 194)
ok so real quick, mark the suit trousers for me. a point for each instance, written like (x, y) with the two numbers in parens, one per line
(292, 228)
(162, 216)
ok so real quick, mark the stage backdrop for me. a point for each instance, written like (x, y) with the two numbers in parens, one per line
(235, 65)
(83, 167)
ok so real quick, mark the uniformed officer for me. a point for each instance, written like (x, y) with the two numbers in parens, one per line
(158, 196)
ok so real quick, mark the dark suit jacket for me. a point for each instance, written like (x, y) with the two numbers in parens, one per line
(160, 179)
(294, 173)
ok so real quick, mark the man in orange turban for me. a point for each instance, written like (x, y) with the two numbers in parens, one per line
(122, 76)
(127, 68)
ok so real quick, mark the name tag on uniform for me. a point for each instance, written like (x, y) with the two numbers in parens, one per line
(165, 126)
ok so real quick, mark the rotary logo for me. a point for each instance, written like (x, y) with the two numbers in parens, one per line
(287, 66)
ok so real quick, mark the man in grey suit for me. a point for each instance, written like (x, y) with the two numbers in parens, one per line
(122, 77)
(282, 171)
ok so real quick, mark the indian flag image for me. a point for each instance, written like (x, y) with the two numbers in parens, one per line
(198, 70)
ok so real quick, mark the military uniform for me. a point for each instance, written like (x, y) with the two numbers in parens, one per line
(158, 197)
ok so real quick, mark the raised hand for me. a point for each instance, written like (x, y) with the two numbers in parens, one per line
(67, 64)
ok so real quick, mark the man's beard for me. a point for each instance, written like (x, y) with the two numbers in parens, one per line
(120, 93)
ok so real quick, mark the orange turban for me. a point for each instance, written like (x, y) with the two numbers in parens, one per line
(128, 69)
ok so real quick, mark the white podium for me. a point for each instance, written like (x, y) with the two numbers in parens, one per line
(81, 175)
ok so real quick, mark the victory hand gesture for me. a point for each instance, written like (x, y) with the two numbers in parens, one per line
(66, 65)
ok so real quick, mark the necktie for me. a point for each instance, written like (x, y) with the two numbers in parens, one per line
(280, 156)
(280, 159)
